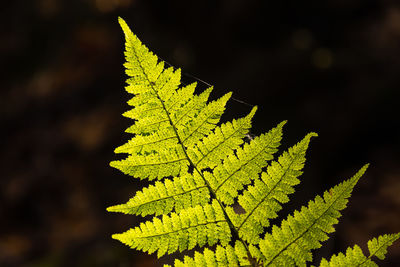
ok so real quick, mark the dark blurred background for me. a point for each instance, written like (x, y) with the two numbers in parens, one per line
(326, 66)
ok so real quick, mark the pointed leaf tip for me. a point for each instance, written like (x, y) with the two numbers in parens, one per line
(112, 163)
(312, 134)
(252, 112)
(360, 173)
(124, 26)
(111, 209)
(121, 20)
(116, 236)
(122, 23)
(282, 123)
(306, 140)
(364, 168)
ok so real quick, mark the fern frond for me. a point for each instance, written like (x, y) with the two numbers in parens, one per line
(207, 153)
(143, 107)
(203, 123)
(263, 200)
(223, 256)
(170, 160)
(182, 114)
(291, 244)
(204, 168)
(181, 102)
(355, 257)
(147, 75)
(167, 162)
(165, 81)
(182, 106)
(165, 138)
(161, 89)
(240, 168)
(183, 96)
(180, 193)
(200, 225)
(149, 124)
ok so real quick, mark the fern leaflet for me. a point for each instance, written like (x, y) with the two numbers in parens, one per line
(355, 257)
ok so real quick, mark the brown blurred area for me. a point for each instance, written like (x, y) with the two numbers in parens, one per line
(326, 66)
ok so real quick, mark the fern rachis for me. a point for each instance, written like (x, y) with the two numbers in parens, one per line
(203, 168)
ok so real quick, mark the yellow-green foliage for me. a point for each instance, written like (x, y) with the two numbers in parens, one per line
(203, 169)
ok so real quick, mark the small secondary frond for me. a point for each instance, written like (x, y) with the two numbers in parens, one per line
(213, 188)
(355, 257)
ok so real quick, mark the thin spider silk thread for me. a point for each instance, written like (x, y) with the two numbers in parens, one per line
(206, 83)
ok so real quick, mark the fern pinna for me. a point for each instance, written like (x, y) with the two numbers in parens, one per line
(203, 168)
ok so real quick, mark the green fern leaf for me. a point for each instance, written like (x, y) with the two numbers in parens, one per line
(181, 106)
(291, 244)
(203, 124)
(200, 225)
(240, 168)
(263, 200)
(180, 193)
(204, 170)
(207, 153)
(167, 162)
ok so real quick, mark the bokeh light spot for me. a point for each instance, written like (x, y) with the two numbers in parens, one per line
(322, 58)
